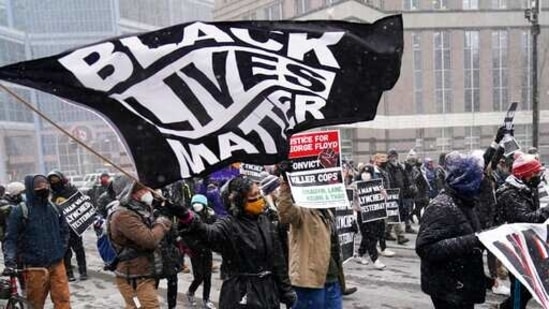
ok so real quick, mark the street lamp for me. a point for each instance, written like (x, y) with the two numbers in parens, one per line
(531, 14)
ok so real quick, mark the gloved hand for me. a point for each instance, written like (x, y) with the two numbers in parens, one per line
(179, 211)
(282, 168)
(499, 135)
(289, 298)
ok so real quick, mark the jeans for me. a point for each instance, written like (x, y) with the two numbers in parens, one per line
(327, 298)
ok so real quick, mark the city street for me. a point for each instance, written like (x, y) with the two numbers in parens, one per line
(395, 287)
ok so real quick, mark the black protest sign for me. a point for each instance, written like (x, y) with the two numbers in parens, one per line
(79, 212)
(252, 171)
(371, 200)
(393, 203)
(192, 98)
(345, 217)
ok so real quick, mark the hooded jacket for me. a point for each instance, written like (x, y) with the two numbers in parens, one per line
(132, 227)
(42, 238)
(451, 255)
(65, 191)
(517, 203)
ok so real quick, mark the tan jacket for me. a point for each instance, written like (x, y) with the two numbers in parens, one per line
(128, 230)
(309, 242)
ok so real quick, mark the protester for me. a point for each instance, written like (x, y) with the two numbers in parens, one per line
(214, 197)
(450, 252)
(380, 165)
(398, 179)
(313, 241)
(270, 188)
(13, 196)
(62, 190)
(99, 188)
(135, 234)
(201, 255)
(370, 231)
(518, 204)
(439, 174)
(38, 235)
(256, 273)
(415, 169)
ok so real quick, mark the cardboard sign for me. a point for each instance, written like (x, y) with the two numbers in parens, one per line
(79, 212)
(316, 179)
(252, 171)
(345, 217)
(371, 200)
(393, 203)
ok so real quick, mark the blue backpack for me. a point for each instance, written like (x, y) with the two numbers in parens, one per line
(104, 245)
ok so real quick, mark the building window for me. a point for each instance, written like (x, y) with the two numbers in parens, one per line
(273, 12)
(445, 139)
(472, 138)
(470, 4)
(409, 5)
(443, 73)
(499, 70)
(526, 78)
(523, 135)
(440, 4)
(471, 67)
(499, 4)
(302, 6)
(418, 72)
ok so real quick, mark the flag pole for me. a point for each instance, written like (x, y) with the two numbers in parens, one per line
(58, 127)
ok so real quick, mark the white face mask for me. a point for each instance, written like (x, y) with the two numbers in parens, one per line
(198, 207)
(147, 198)
(365, 176)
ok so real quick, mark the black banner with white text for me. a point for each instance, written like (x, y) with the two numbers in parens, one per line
(192, 98)
(79, 212)
(371, 200)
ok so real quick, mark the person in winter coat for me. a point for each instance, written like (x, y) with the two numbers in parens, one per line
(12, 197)
(38, 235)
(370, 230)
(313, 241)
(99, 188)
(452, 271)
(201, 256)
(254, 265)
(398, 179)
(421, 199)
(135, 234)
(518, 204)
(62, 190)
(214, 197)
(439, 174)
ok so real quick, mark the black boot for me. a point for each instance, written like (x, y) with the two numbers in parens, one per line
(402, 240)
(83, 273)
(70, 276)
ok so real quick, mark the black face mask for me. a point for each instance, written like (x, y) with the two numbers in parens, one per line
(534, 182)
(58, 186)
(42, 193)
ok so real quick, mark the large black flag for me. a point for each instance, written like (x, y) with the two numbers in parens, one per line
(191, 98)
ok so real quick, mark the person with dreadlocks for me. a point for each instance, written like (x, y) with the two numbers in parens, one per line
(253, 262)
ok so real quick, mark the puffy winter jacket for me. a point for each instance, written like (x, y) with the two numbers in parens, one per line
(42, 237)
(519, 203)
(253, 260)
(450, 253)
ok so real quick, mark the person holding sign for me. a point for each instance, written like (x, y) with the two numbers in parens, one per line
(452, 270)
(39, 233)
(313, 241)
(62, 190)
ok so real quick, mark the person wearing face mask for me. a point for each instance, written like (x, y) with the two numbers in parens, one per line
(62, 190)
(135, 234)
(12, 198)
(38, 239)
(255, 269)
(518, 203)
(452, 271)
(201, 255)
(370, 230)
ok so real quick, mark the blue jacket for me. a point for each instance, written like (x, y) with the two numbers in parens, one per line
(41, 240)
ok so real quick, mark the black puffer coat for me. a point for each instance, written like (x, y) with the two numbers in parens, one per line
(255, 265)
(518, 203)
(485, 206)
(450, 253)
